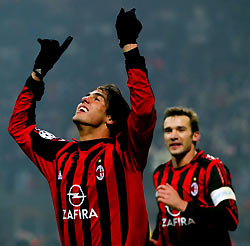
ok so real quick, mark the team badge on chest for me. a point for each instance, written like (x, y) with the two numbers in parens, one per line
(194, 189)
(100, 172)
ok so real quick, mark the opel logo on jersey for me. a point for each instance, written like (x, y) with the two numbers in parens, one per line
(100, 172)
(76, 195)
(194, 189)
(171, 212)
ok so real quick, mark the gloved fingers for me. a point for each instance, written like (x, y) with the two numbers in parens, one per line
(121, 12)
(48, 43)
(66, 44)
(132, 11)
(39, 40)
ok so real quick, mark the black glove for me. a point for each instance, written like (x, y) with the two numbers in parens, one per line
(49, 54)
(128, 27)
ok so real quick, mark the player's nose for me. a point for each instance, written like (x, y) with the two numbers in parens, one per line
(85, 99)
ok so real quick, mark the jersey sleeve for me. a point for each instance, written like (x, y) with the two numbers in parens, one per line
(142, 119)
(223, 211)
(39, 145)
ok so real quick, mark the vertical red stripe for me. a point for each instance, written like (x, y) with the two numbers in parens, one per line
(113, 199)
(64, 205)
(155, 178)
(202, 186)
(224, 172)
(233, 216)
(77, 221)
(95, 222)
(221, 174)
(66, 234)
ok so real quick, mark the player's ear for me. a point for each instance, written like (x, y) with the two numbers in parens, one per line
(109, 120)
(196, 136)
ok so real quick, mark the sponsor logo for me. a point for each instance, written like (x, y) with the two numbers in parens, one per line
(180, 221)
(177, 219)
(76, 198)
(79, 213)
(172, 212)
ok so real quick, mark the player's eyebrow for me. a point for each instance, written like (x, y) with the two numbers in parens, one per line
(95, 94)
(99, 94)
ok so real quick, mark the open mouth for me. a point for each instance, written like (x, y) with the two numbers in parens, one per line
(175, 145)
(83, 109)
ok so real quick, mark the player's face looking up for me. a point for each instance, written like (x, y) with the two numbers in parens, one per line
(92, 109)
(178, 135)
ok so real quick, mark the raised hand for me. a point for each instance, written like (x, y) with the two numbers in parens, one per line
(169, 196)
(49, 54)
(128, 27)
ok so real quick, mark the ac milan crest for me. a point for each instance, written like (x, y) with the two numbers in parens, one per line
(194, 189)
(99, 172)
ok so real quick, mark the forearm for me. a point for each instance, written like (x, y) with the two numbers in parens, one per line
(129, 47)
(222, 215)
(23, 115)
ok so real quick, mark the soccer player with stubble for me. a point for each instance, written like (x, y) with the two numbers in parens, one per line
(96, 182)
(196, 200)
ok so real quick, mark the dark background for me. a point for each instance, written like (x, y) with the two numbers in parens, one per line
(197, 53)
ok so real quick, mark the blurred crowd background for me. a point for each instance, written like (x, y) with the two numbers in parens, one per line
(197, 54)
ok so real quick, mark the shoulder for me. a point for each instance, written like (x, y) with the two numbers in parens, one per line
(208, 160)
(47, 135)
(160, 168)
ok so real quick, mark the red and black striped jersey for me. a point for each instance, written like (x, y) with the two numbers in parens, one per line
(96, 185)
(205, 183)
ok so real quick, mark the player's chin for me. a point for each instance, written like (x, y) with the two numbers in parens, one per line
(76, 120)
(175, 149)
(177, 152)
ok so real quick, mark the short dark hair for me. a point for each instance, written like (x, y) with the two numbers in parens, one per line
(190, 113)
(117, 107)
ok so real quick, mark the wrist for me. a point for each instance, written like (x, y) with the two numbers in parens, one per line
(128, 47)
(33, 75)
(183, 206)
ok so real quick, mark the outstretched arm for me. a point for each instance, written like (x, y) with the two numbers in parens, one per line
(141, 121)
(39, 145)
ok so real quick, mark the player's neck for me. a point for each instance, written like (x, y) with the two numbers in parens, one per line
(182, 160)
(90, 133)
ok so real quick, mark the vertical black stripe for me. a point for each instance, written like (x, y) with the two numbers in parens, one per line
(86, 222)
(170, 176)
(163, 239)
(103, 202)
(161, 171)
(122, 194)
(147, 236)
(70, 179)
(58, 186)
(181, 182)
(31, 116)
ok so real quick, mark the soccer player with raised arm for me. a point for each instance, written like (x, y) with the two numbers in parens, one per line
(196, 200)
(96, 182)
